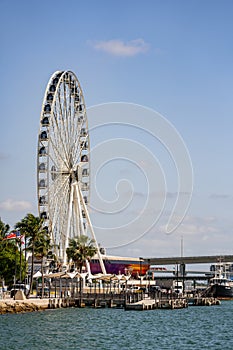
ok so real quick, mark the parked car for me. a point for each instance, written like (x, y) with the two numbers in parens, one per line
(19, 286)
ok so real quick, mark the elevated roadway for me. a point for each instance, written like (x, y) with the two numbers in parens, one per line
(208, 259)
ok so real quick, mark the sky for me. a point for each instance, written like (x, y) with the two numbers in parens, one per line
(139, 64)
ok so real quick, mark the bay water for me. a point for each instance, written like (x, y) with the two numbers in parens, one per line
(197, 327)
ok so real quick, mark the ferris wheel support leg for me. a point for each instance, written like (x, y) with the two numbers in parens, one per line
(92, 233)
(79, 215)
(88, 267)
(68, 226)
(78, 208)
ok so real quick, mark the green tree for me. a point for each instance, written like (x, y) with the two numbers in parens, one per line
(9, 256)
(32, 228)
(41, 250)
(9, 262)
(80, 250)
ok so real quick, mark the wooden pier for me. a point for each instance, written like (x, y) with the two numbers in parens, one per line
(135, 301)
(90, 300)
(171, 303)
(131, 301)
(150, 304)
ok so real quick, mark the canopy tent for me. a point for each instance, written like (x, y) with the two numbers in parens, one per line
(99, 276)
(122, 277)
(108, 277)
(63, 274)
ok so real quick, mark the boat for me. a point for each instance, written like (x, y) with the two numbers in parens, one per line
(221, 285)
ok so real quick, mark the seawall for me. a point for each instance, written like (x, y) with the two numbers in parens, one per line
(9, 306)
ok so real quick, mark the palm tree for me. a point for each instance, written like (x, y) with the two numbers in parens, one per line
(80, 250)
(41, 250)
(32, 228)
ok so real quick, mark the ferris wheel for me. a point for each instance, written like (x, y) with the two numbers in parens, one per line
(63, 163)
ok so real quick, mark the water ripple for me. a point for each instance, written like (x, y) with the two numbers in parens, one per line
(112, 329)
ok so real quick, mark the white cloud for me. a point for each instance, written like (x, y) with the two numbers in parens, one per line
(195, 226)
(120, 48)
(11, 205)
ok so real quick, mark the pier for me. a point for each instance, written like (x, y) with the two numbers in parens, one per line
(127, 301)
(150, 304)
(180, 303)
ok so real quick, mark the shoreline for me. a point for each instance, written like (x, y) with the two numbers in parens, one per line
(11, 306)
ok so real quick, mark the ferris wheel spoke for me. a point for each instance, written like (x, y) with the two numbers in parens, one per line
(60, 185)
(65, 121)
(70, 121)
(61, 118)
(59, 210)
(70, 126)
(57, 157)
(56, 130)
(56, 201)
(58, 133)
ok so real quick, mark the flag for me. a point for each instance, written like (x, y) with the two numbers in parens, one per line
(11, 235)
(14, 235)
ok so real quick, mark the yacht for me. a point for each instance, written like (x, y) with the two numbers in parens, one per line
(221, 285)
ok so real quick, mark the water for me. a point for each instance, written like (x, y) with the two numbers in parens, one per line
(196, 328)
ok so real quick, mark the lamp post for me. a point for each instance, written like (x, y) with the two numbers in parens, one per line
(141, 259)
(25, 261)
(18, 242)
(149, 275)
(20, 260)
(15, 269)
(177, 276)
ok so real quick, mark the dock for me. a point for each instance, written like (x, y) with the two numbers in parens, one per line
(150, 304)
(164, 303)
(135, 302)
(126, 301)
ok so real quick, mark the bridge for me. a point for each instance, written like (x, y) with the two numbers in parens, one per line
(208, 259)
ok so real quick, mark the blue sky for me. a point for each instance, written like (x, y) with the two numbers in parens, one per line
(174, 57)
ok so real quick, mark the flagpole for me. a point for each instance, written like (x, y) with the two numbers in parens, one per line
(25, 262)
(20, 259)
(15, 268)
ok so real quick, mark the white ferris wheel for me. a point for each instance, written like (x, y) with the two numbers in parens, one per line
(63, 163)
